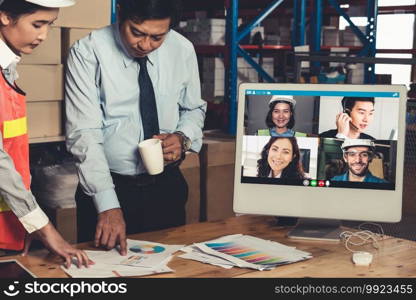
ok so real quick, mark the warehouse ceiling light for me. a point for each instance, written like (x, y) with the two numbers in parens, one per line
(51, 3)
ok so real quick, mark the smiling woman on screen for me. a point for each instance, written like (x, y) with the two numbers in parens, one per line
(280, 158)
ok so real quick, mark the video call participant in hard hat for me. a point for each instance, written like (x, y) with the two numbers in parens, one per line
(358, 154)
(280, 118)
(24, 25)
(126, 83)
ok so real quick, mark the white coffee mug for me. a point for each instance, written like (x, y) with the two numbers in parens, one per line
(152, 155)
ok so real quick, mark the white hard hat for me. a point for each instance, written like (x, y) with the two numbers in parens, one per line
(288, 99)
(52, 3)
(357, 143)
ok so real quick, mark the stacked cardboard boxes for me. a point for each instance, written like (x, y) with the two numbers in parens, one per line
(205, 31)
(41, 74)
(349, 38)
(213, 74)
(246, 73)
(357, 9)
(191, 171)
(277, 31)
(330, 36)
(79, 20)
(338, 51)
(217, 178)
(70, 36)
(355, 74)
(86, 14)
(42, 78)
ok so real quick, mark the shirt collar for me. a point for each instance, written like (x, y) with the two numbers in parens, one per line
(287, 133)
(366, 176)
(127, 58)
(278, 175)
(7, 57)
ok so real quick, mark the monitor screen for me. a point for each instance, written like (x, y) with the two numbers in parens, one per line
(320, 151)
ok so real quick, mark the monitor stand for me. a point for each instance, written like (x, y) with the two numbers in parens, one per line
(316, 229)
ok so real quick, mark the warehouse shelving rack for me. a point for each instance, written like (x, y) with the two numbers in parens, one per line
(298, 38)
(301, 12)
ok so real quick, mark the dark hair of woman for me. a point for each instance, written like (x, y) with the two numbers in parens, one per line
(269, 120)
(294, 170)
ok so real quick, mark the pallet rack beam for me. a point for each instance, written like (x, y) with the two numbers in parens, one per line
(255, 65)
(245, 31)
(365, 60)
(234, 50)
(316, 32)
(231, 69)
(113, 11)
(369, 39)
(299, 23)
(371, 31)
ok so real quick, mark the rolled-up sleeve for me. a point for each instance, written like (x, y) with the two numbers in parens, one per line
(18, 199)
(84, 136)
(192, 108)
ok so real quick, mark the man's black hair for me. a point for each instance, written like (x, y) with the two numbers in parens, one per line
(142, 10)
(17, 8)
(349, 102)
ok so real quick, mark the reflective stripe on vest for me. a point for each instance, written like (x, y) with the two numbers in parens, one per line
(14, 128)
(263, 132)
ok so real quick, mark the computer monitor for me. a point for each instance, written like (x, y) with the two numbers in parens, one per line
(320, 151)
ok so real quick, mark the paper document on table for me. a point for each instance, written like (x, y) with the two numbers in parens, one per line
(250, 252)
(194, 253)
(143, 258)
(108, 271)
(141, 254)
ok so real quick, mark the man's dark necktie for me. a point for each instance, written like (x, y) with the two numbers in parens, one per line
(148, 109)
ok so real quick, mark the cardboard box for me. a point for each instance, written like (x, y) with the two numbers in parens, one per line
(65, 221)
(69, 37)
(217, 178)
(376, 167)
(86, 14)
(47, 53)
(41, 82)
(191, 171)
(45, 119)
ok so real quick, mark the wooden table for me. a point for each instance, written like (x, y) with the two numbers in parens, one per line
(395, 257)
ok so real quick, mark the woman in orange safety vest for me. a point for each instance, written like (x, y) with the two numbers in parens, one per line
(24, 24)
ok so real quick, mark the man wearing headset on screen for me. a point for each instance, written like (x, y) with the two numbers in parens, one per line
(358, 154)
(357, 115)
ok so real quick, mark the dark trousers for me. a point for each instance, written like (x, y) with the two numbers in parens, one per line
(148, 203)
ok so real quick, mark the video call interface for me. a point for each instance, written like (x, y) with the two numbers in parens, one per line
(323, 139)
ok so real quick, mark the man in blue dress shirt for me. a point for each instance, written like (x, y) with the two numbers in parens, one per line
(105, 122)
(358, 154)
